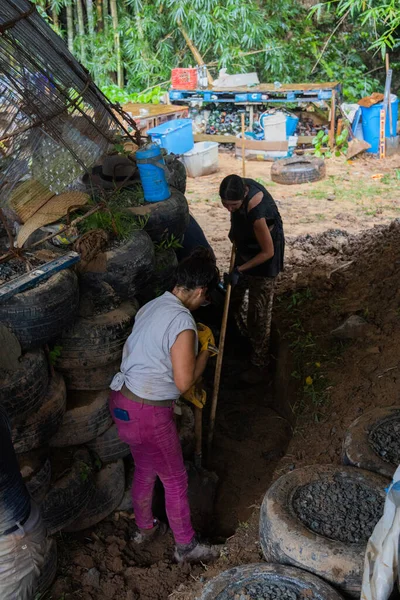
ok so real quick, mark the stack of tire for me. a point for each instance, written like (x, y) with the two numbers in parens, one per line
(33, 395)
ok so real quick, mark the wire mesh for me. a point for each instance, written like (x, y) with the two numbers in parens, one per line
(55, 123)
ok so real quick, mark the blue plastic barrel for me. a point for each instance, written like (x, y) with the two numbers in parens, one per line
(152, 173)
(371, 123)
(291, 125)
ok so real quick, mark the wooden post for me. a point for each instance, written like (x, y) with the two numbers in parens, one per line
(332, 127)
(243, 148)
(220, 356)
(382, 145)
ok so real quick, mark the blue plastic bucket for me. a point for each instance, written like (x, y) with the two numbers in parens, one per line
(175, 136)
(371, 123)
(152, 173)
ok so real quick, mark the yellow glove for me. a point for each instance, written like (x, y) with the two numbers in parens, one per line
(196, 395)
(206, 338)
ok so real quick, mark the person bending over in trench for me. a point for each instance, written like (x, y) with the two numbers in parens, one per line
(159, 363)
(257, 232)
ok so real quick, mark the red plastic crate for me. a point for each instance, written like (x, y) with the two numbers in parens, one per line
(184, 79)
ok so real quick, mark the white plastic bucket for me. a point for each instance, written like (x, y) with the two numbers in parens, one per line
(202, 160)
(274, 127)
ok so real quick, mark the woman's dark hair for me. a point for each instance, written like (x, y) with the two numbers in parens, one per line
(232, 188)
(197, 270)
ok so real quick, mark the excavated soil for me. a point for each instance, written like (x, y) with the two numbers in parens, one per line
(343, 511)
(259, 591)
(385, 440)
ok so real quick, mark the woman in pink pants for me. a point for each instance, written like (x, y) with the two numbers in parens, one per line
(159, 363)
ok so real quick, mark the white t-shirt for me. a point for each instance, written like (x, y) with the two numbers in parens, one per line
(146, 367)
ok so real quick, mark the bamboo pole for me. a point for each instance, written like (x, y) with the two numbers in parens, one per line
(243, 147)
(197, 56)
(81, 28)
(117, 43)
(70, 27)
(332, 127)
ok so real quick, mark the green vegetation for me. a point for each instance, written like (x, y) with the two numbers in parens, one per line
(169, 242)
(134, 44)
(118, 223)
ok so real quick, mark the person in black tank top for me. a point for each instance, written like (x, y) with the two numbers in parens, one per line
(257, 232)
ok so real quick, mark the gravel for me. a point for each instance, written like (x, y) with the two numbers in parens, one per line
(259, 590)
(341, 510)
(385, 440)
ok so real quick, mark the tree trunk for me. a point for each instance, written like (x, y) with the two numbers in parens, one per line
(117, 43)
(105, 15)
(54, 17)
(70, 27)
(99, 14)
(90, 16)
(81, 27)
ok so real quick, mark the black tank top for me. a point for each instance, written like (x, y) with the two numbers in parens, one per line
(242, 231)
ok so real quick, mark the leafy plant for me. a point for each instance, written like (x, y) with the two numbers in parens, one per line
(321, 140)
(55, 354)
(167, 243)
(118, 223)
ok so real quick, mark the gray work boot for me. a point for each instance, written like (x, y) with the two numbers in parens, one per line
(142, 536)
(195, 552)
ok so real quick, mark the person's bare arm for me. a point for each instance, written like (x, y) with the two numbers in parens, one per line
(186, 367)
(263, 236)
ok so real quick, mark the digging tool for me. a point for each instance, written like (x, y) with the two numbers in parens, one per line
(220, 356)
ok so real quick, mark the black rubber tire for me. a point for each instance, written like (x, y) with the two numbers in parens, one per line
(37, 316)
(96, 298)
(166, 218)
(298, 169)
(129, 266)
(229, 584)
(176, 176)
(358, 451)
(109, 484)
(22, 391)
(97, 378)
(286, 540)
(70, 493)
(96, 341)
(35, 469)
(36, 430)
(162, 280)
(87, 416)
(49, 569)
(108, 447)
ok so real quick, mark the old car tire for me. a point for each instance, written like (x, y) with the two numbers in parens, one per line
(109, 487)
(176, 175)
(229, 584)
(87, 416)
(35, 469)
(165, 219)
(108, 446)
(96, 341)
(286, 540)
(23, 390)
(299, 169)
(70, 491)
(36, 429)
(96, 378)
(358, 450)
(38, 315)
(163, 277)
(48, 570)
(129, 266)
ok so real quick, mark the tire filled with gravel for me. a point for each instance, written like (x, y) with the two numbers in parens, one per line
(319, 518)
(385, 440)
(262, 581)
(340, 510)
(372, 441)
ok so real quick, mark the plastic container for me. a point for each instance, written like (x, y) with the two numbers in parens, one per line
(175, 136)
(202, 160)
(291, 124)
(184, 79)
(152, 173)
(274, 127)
(371, 123)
